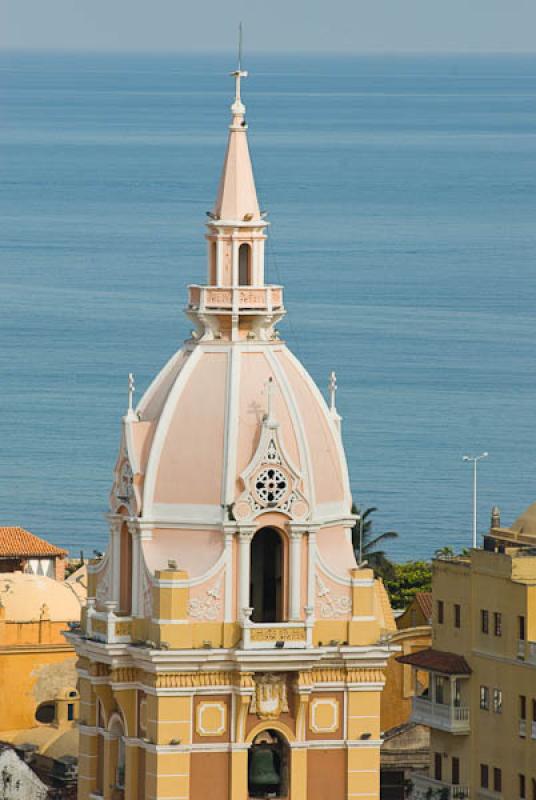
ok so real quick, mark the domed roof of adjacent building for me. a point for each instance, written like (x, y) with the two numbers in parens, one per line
(28, 598)
(526, 522)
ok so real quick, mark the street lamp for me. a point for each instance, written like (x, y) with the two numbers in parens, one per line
(474, 460)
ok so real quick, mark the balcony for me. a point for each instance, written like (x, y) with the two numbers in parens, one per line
(107, 626)
(530, 652)
(443, 717)
(533, 730)
(425, 788)
(523, 728)
(287, 635)
(235, 299)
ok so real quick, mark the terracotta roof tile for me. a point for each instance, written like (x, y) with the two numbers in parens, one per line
(16, 543)
(437, 661)
(424, 601)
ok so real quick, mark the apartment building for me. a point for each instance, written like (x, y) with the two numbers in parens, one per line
(480, 700)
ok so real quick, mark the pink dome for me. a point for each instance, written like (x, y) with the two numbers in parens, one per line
(194, 437)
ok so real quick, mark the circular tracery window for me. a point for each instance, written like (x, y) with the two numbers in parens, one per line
(271, 484)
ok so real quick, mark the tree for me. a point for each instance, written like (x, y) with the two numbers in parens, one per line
(376, 558)
(406, 580)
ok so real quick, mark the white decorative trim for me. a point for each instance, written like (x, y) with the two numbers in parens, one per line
(202, 708)
(162, 429)
(231, 427)
(333, 576)
(316, 704)
(292, 406)
(331, 424)
(185, 514)
(331, 606)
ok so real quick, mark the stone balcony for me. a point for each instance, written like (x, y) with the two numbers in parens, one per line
(425, 788)
(450, 718)
(287, 635)
(107, 626)
(235, 299)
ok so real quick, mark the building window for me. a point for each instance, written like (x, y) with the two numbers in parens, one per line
(457, 615)
(522, 788)
(497, 779)
(455, 771)
(437, 766)
(533, 789)
(440, 612)
(484, 621)
(440, 689)
(70, 711)
(534, 714)
(522, 707)
(484, 776)
(521, 633)
(46, 713)
(497, 624)
(497, 701)
(484, 698)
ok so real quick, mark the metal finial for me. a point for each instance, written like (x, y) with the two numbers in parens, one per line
(240, 47)
(332, 386)
(131, 390)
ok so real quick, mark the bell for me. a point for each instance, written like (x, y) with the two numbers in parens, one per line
(262, 771)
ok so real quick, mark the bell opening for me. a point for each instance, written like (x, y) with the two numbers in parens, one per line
(266, 574)
(268, 766)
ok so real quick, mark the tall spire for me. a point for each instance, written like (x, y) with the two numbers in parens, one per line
(237, 196)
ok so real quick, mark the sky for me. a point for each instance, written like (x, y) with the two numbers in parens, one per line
(349, 26)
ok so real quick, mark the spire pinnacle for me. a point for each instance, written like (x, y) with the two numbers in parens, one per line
(238, 107)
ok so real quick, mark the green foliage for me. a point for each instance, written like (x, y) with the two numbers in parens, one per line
(406, 580)
(370, 553)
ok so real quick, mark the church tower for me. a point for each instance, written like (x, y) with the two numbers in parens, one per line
(231, 647)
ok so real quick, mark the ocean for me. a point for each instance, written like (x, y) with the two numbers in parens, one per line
(402, 197)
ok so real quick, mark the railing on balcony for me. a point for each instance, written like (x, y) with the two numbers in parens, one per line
(450, 718)
(107, 626)
(530, 652)
(287, 635)
(425, 788)
(533, 729)
(235, 298)
(521, 647)
(523, 728)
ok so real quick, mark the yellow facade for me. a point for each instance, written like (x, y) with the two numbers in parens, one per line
(483, 721)
(36, 664)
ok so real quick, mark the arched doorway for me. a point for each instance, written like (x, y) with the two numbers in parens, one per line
(269, 766)
(265, 594)
(244, 265)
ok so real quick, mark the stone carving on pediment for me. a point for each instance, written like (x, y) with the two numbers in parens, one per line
(271, 482)
(331, 605)
(208, 607)
(270, 698)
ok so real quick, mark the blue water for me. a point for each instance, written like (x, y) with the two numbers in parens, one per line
(402, 195)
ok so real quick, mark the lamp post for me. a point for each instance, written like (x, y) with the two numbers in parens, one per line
(474, 461)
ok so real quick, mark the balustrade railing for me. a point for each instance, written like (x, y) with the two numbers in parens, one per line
(451, 718)
(235, 298)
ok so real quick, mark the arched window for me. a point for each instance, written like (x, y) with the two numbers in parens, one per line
(125, 584)
(268, 766)
(244, 265)
(266, 598)
(117, 731)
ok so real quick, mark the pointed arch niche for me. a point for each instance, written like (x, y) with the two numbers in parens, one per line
(266, 588)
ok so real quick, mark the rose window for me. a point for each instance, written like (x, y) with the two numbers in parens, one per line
(271, 485)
